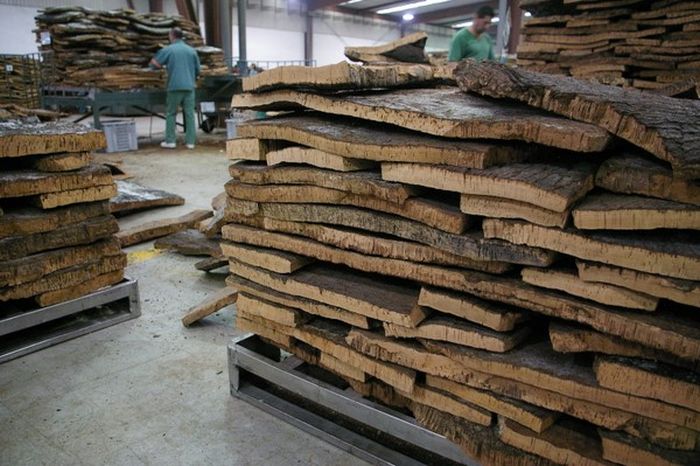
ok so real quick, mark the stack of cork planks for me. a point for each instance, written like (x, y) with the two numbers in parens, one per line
(111, 49)
(515, 262)
(57, 234)
(645, 44)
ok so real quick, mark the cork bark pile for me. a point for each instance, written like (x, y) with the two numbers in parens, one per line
(57, 235)
(524, 279)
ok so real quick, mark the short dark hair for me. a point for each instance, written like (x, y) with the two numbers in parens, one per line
(485, 11)
(177, 32)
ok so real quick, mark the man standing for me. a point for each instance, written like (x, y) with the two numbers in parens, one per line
(182, 63)
(474, 42)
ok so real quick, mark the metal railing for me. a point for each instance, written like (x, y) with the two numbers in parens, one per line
(245, 68)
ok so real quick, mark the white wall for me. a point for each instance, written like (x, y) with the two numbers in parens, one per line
(16, 24)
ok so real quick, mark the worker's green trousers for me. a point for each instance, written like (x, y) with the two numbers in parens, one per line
(185, 99)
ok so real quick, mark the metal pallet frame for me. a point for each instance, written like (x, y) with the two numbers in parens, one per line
(30, 331)
(257, 377)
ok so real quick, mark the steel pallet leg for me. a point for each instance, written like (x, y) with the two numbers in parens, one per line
(370, 431)
(25, 332)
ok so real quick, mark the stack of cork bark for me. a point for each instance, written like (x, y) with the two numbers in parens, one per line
(111, 49)
(56, 231)
(646, 44)
(523, 277)
(20, 81)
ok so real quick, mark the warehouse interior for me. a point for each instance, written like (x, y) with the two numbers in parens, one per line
(388, 232)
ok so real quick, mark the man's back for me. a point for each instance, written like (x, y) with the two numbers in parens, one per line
(182, 62)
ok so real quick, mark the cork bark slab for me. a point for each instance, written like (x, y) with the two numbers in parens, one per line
(620, 212)
(662, 125)
(538, 365)
(337, 366)
(30, 182)
(495, 207)
(32, 268)
(217, 301)
(551, 187)
(267, 330)
(63, 162)
(650, 380)
(349, 290)
(432, 363)
(274, 312)
(567, 338)
(340, 76)
(674, 335)
(436, 214)
(317, 158)
(82, 289)
(190, 242)
(21, 138)
(633, 174)
(159, 228)
(498, 317)
(265, 258)
(307, 305)
(27, 221)
(478, 442)
(357, 139)
(406, 49)
(569, 282)
(358, 241)
(449, 404)
(246, 149)
(88, 231)
(534, 418)
(469, 245)
(329, 337)
(680, 291)
(445, 112)
(670, 254)
(64, 278)
(566, 442)
(626, 450)
(75, 196)
(458, 331)
(212, 263)
(362, 183)
(133, 196)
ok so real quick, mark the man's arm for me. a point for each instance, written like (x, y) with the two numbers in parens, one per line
(153, 64)
(456, 52)
(491, 55)
(197, 65)
(160, 59)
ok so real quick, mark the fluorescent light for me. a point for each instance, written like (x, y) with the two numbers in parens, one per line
(408, 17)
(527, 13)
(468, 24)
(350, 2)
(409, 6)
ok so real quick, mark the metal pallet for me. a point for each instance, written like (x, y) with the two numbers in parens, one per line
(294, 392)
(25, 332)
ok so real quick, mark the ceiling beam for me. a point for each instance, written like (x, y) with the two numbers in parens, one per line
(312, 5)
(452, 12)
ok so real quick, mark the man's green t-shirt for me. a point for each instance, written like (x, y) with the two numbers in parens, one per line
(182, 62)
(465, 45)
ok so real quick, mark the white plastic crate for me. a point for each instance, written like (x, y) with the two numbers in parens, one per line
(231, 124)
(121, 135)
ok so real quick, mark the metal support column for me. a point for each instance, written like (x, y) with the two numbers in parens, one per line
(309, 39)
(242, 44)
(225, 29)
(516, 22)
(500, 34)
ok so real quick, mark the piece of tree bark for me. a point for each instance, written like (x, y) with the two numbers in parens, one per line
(222, 298)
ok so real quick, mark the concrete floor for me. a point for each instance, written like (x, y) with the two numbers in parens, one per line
(149, 391)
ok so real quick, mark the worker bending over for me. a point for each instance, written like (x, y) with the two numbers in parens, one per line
(474, 42)
(182, 63)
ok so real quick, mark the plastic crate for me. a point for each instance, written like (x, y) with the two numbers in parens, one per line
(121, 135)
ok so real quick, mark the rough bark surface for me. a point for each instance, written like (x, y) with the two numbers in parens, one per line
(666, 127)
(349, 137)
(443, 112)
(20, 138)
(133, 196)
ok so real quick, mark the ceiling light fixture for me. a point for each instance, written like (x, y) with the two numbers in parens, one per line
(408, 17)
(350, 2)
(409, 6)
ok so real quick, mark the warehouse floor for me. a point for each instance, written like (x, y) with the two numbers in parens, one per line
(149, 391)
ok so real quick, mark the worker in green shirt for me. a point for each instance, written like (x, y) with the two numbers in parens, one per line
(182, 63)
(474, 42)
